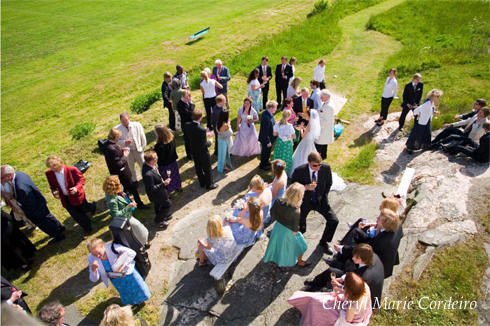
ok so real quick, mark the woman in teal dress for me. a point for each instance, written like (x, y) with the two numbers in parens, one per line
(120, 205)
(225, 141)
(103, 261)
(248, 223)
(284, 143)
(255, 89)
(278, 186)
(286, 244)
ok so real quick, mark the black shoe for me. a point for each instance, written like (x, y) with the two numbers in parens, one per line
(202, 185)
(168, 218)
(265, 168)
(334, 263)
(189, 158)
(309, 281)
(445, 149)
(163, 225)
(20, 223)
(143, 206)
(326, 247)
(409, 152)
(302, 230)
(325, 289)
(57, 239)
(306, 288)
(435, 146)
(212, 186)
(62, 228)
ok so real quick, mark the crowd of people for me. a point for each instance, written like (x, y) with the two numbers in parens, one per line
(299, 142)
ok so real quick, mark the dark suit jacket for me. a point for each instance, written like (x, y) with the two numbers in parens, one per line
(32, 201)
(73, 178)
(374, 276)
(283, 82)
(411, 96)
(385, 245)
(197, 137)
(154, 186)
(298, 108)
(324, 182)
(468, 115)
(215, 115)
(185, 111)
(268, 75)
(116, 161)
(166, 89)
(482, 152)
(225, 77)
(6, 292)
(266, 128)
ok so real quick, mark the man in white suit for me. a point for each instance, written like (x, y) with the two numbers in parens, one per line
(327, 120)
(132, 137)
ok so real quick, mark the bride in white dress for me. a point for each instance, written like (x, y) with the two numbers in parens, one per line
(307, 145)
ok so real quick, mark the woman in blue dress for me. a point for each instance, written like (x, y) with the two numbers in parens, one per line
(225, 141)
(286, 244)
(220, 246)
(106, 259)
(278, 186)
(248, 223)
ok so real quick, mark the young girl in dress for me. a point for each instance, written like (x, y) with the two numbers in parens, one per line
(284, 142)
(248, 223)
(258, 189)
(225, 141)
(220, 246)
(278, 186)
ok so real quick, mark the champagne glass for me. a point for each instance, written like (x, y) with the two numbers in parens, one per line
(333, 276)
(169, 172)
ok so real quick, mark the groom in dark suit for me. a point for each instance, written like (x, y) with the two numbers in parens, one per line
(199, 150)
(317, 179)
(266, 137)
(265, 75)
(284, 72)
(411, 97)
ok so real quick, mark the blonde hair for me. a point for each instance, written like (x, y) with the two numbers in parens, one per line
(205, 75)
(214, 228)
(254, 213)
(294, 194)
(112, 185)
(286, 114)
(295, 82)
(164, 134)
(94, 243)
(54, 162)
(389, 220)
(257, 183)
(114, 134)
(390, 203)
(220, 98)
(271, 104)
(114, 315)
(278, 167)
(434, 93)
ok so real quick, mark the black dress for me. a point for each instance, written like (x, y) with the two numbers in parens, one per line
(17, 249)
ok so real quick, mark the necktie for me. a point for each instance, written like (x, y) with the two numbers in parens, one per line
(282, 69)
(263, 71)
(219, 72)
(13, 188)
(304, 107)
(313, 194)
(414, 88)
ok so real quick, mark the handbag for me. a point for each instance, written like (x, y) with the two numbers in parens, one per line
(82, 165)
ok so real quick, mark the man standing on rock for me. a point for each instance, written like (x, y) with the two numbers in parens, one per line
(411, 97)
(265, 75)
(317, 179)
(266, 137)
(327, 121)
(284, 72)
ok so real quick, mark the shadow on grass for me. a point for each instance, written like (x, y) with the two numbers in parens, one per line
(189, 43)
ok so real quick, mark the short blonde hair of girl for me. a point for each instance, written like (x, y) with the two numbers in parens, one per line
(286, 114)
(257, 183)
(390, 203)
(278, 167)
(94, 243)
(112, 185)
(214, 228)
(114, 315)
(254, 213)
(294, 194)
(434, 93)
(54, 162)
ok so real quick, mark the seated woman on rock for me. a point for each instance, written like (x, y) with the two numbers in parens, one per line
(248, 223)
(220, 246)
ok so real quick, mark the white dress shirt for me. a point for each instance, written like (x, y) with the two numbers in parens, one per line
(60, 177)
(285, 131)
(319, 73)
(315, 96)
(390, 88)
(425, 110)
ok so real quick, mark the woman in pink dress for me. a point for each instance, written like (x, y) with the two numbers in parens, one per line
(246, 139)
(350, 306)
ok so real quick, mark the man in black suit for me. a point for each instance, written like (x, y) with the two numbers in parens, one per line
(478, 152)
(317, 179)
(117, 163)
(411, 97)
(166, 89)
(199, 149)
(302, 104)
(364, 263)
(284, 72)
(155, 188)
(13, 296)
(265, 75)
(32, 203)
(220, 106)
(185, 107)
(266, 136)
(385, 242)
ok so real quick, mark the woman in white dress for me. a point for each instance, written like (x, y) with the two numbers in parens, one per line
(307, 144)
